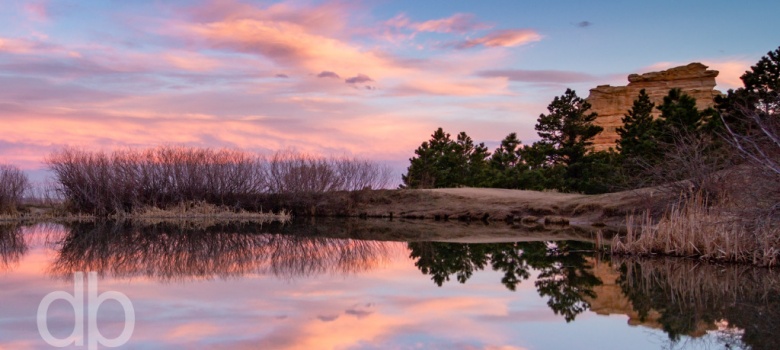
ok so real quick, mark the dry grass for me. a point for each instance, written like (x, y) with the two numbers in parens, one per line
(190, 214)
(202, 211)
(695, 229)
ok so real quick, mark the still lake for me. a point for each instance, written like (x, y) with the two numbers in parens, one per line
(309, 285)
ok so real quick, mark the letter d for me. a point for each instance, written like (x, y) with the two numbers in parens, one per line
(76, 301)
(94, 304)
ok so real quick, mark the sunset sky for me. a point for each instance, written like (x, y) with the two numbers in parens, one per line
(372, 79)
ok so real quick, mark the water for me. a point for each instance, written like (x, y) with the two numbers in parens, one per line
(326, 286)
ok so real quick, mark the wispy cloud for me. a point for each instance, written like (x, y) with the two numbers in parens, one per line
(539, 76)
(457, 23)
(502, 38)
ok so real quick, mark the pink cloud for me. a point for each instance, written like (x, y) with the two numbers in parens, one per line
(457, 23)
(539, 76)
(37, 10)
(191, 61)
(18, 46)
(503, 38)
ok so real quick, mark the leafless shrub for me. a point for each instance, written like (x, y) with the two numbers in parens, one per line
(755, 134)
(13, 185)
(290, 172)
(693, 164)
(128, 181)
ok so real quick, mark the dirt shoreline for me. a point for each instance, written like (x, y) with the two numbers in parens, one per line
(485, 204)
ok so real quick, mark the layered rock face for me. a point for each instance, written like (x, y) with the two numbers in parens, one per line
(613, 102)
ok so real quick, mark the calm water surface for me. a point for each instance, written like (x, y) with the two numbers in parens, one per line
(302, 287)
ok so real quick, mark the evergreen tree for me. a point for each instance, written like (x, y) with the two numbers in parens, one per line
(760, 95)
(568, 129)
(567, 133)
(679, 115)
(506, 163)
(763, 81)
(426, 167)
(471, 161)
(443, 162)
(636, 134)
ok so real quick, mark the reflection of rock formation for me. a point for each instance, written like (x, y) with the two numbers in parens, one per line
(12, 246)
(610, 300)
(613, 102)
(168, 252)
(686, 297)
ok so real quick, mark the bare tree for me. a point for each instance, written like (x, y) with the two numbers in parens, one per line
(755, 134)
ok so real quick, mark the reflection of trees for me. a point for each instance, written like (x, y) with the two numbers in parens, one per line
(688, 295)
(12, 246)
(171, 252)
(564, 275)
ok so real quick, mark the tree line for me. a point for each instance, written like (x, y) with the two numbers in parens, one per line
(682, 143)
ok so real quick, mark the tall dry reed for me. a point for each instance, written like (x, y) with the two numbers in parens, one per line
(695, 229)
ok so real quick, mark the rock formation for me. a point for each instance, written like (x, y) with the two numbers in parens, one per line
(613, 102)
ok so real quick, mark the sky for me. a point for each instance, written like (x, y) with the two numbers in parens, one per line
(371, 79)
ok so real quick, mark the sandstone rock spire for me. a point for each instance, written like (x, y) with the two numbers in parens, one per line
(613, 102)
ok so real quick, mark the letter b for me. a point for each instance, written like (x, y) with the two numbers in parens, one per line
(93, 304)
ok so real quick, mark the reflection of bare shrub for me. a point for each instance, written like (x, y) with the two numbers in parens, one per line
(12, 246)
(128, 181)
(13, 184)
(694, 228)
(172, 252)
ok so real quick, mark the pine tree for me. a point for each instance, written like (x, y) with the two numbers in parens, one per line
(443, 162)
(506, 163)
(679, 115)
(566, 136)
(568, 129)
(636, 134)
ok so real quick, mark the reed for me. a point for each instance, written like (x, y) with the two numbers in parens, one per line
(693, 228)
